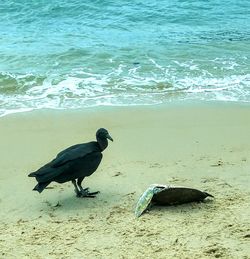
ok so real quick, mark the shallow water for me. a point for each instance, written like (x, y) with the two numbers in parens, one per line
(72, 54)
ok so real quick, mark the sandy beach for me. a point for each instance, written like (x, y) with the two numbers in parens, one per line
(199, 145)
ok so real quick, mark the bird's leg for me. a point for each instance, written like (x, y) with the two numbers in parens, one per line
(78, 193)
(79, 184)
(85, 192)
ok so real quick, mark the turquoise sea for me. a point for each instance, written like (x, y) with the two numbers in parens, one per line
(73, 54)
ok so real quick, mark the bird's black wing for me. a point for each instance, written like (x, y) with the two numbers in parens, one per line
(69, 149)
(74, 152)
(60, 163)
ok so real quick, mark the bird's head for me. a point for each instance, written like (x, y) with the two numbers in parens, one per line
(103, 134)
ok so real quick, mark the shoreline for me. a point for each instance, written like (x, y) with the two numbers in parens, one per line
(173, 104)
(201, 146)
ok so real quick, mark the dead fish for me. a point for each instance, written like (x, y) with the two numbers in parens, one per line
(159, 194)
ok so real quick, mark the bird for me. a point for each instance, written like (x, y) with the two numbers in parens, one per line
(74, 164)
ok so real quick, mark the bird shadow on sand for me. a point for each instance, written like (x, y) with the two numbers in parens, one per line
(71, 203)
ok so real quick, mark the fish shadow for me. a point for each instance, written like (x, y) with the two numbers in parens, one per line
(191, 207)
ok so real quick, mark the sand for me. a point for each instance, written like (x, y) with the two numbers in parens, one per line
(201, 146)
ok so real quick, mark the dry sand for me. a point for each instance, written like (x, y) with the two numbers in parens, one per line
(201, 146)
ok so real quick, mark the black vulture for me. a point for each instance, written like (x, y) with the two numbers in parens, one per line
(75, 162)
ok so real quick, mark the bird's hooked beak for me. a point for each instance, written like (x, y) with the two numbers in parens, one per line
(109, 137)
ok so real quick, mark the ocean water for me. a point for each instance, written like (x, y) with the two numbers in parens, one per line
(71, 54)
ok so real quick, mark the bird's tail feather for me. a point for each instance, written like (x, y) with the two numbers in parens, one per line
(32, 174)
(41, 186)
(47, 174)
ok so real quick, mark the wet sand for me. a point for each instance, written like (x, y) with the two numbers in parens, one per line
(201, 146)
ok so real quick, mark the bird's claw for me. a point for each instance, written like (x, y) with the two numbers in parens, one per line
(84, 193)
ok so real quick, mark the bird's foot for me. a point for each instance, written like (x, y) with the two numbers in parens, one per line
(84, 193)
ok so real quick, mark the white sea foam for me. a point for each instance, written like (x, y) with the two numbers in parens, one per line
(125, 85)
(73, 54)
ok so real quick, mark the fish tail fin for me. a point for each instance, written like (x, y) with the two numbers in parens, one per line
(208, 195)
